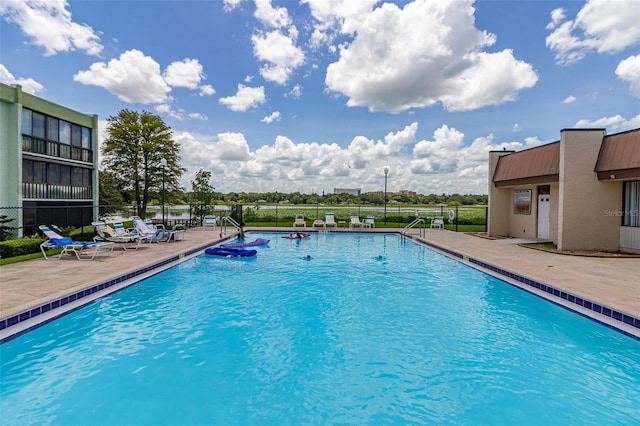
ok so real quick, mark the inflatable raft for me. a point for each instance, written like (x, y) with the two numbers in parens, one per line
(256, 242)
(230, 252)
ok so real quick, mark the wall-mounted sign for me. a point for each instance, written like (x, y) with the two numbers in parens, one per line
(522, 201)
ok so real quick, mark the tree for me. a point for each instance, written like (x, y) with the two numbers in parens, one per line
(133, 151)
(111, 192)
(202, 192)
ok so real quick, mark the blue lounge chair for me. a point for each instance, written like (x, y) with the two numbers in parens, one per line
(83, 250)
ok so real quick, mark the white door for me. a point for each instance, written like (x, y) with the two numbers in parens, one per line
(543, 215)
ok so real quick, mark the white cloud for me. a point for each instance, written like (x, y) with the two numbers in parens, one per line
(180, 114)
(275, 116)
(569, 99)
(629, 70)
(280, 53)
(617, 123)
(277, 17)
(295, 92)
(516, 127)
(601, 26)
(49, 24)
(245, 98)
(385, 65)
(186, 73)
(133, 78)
(229, 5)
(207, 90)
(29, 85)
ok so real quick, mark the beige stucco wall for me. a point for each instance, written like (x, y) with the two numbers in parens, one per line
(498, 218)
(553, 212)
(583, 200)
(523, 225)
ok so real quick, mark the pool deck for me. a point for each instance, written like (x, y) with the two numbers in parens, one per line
(612, 283)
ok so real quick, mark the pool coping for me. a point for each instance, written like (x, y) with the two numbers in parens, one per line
(22, 322)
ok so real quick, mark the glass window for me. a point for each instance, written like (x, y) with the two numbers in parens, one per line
(39, 172)
(27, 171)
(38, 125)
(631, 204)
(26, 121)
(86, 138)
(65, 132)
(65, 175)
(76, 135)
(53, 173)
(76, 176)
(52, 129)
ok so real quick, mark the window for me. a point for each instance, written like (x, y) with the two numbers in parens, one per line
(53, 173)
(27, 171)
(65, 132)
(76, 135)
(52, 129)
(86, 138)
(522, 201)
(631, 215)
(38, 129)
(39, 172)
(27, 121)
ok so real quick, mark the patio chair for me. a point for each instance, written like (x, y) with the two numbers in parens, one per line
(299, 221)
(369, 222)
(330, 220)
(437, 222)
(355, 221)
(121, 231)
(148, 231)
(105, 233)
(318, 223)
(175, 233)
(209, 222)
(83, 250)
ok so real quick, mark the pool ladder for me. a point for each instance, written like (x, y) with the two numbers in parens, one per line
(228, 219)
(413, 224)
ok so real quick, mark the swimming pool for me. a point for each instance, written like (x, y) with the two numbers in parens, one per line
(371, 329)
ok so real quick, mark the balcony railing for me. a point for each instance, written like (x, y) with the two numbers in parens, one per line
(55, 149)
(47, 191)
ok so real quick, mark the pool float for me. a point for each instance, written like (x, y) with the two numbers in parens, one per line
(231, 252)
(256, 242)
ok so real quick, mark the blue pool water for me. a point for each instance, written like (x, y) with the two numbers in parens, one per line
(372, 329)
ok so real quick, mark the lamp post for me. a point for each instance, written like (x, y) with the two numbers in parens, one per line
(163, 163)
(316, 210)
(277, 202)
(386, 172)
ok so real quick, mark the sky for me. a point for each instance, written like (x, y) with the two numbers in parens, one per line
(312, 95)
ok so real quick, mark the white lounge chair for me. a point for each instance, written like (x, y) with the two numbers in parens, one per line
(79, 248)
(299, 221)
(121, 231)
(175, 233)
(437, 222)
(319, 223)
(209, 222)
(149, 232)
(355, 221)
(330, 220)
(105, 233)
(369, 222)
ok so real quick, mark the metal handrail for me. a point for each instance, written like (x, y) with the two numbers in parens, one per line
(232, 221)
(415, 222)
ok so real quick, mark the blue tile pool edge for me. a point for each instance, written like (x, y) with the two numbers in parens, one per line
(56, 307)
(543, 289)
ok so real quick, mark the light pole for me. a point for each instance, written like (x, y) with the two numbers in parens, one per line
(163, 163)
(386, 172)
(277, 202)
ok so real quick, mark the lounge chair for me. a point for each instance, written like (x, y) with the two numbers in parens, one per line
(105, 233)
(330, 220)
(121, 231)
(176, 233)
(369, 222)
(299, 221)
(355, 221)
(149, 232)
(319, 223)
(84, 250)
(209, 222)
(437, 222)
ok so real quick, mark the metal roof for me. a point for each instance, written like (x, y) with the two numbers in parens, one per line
(619, 156)
(531, 166)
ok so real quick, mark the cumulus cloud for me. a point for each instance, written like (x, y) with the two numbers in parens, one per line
(295, 92)
(186, 73)
(629, 71)
(569, 99)
(245, 98)
(207, 90)
(133, 78)
(280, 53)
(601, 26)
(393, 49)
(274, 17)
(616, 123)
(29, 85)
(229, 5)
(180, 114)
(49, 24)
(275, 116)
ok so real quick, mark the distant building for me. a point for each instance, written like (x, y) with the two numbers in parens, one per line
(48, 162)
(350, 191)
(407, 192)
(581, 192)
